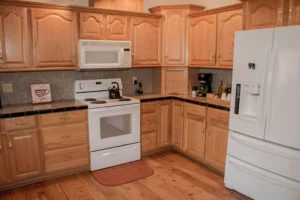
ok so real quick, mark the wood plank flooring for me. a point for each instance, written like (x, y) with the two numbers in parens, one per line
(175, 177)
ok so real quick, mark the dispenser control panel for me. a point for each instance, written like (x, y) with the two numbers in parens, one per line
(237, 99)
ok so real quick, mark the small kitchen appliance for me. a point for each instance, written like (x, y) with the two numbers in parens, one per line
(204, 84)
(114, 123)
(114, 92)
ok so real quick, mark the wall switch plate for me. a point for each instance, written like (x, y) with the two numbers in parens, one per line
(7, 88)
(134, 80)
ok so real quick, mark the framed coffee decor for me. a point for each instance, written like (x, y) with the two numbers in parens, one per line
(40, 93)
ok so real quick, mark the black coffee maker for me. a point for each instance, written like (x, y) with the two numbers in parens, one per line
(204, 84)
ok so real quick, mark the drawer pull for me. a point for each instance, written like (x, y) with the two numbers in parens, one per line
(65, 137)
(10, 145)
(21, 123)
(64, 118)
(67, 158)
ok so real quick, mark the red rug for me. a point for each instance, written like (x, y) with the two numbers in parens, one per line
(122, 174)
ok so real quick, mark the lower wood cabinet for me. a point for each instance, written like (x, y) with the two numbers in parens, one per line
(149, 142)
(3, 168)
(177, 124)
(164, 123)
(24, 154)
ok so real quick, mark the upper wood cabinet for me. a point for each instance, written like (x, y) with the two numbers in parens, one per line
(129, 5)
(55, 38)
(24, 154)
(14, 38)
(146, 41)
(175, 32)
(202, 44)
(294, 12)
(164, 123)
(117, 27)
(174, 80)
(177, 124)
(3, 168)
(263, 13)
(228, 23)
(92, 26)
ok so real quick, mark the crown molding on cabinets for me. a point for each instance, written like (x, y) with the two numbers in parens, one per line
(192, 7)
(217, 10)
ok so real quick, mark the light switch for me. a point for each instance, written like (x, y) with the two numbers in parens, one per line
(7, 88)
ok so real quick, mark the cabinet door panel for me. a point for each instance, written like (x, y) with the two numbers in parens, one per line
(294, 12)
(228, 23)
(216, 144)
(146, 41)
(174, 80)
(92, 26)
(55, 38)
(177, 122)
(3, 169)
(24, 154)
(203, 37)
(14, 39)
(174, 37)
(164, 121)
(263, 14)
(149, 142)
(117, 27)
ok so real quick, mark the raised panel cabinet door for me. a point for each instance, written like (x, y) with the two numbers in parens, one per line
(117, 27)
(146, 41)
(3, 169)
(55, 38)
(202, 43)
(164, 121)
(24, 154)
(194, 135)
(216, 144)
(14, 38)
(294, 12)
(174, 37)
(177, 124)
(263, 14)
(149, 142)
(228, 23)
(92, 26)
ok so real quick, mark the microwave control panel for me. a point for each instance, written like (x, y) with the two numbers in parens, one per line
(127, 57)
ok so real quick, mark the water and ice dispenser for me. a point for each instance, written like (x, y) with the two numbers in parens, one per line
(247, 101)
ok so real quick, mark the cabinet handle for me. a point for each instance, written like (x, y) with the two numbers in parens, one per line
(1, 58)
(21, 123)
(0, 148)
(166, 55)
(213, 56)
(219, 55)
(10, 145)
(108, 26)
(64, 118)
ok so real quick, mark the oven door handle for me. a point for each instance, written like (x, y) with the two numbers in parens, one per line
(93, 110)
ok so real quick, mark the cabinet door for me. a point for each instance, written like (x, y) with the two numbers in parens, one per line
(174, 37)
(14, 39)
(177, 124)
(24, 154)
(228, 23)
(174, 80)
(3, 172)
(203, 38)
(194, 135)
(263, 14)
(146, 41)
(92, 26)
(216, 144)
(117, 27)
(164, 121)
(294, 12)
(55, 38)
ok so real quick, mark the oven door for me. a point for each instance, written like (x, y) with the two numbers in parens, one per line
(104, 57)
(114, 126)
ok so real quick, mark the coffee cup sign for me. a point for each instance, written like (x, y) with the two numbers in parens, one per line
(40, 93)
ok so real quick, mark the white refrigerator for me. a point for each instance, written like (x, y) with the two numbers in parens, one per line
(263, 155)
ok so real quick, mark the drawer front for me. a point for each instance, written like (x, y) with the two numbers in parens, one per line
(148, 123)
(62, 136)
(68, 158)
(219, 115)
(63, 118)
(149, 142)
(20, 123)
(195, 110)
(148, 107)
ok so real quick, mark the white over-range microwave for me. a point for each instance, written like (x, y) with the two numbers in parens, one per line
(104, 54)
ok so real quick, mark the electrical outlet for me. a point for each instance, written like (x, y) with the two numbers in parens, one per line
(7, 88)
(134, 79)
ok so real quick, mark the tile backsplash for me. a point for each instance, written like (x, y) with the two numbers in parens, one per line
(62, 82)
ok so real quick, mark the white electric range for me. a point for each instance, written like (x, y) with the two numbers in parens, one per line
(114, 124)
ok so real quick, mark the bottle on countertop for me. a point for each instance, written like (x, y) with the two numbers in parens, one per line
(220, 89)
(140, 88)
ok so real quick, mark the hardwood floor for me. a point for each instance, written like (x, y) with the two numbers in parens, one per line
(175, 177)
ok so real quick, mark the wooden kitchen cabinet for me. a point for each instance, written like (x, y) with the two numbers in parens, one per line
(146, 41)
(3, 167)
(174, 80)
(216, 138)
(14, 38)
(177, 124)
(202, 41)
(294, 12)
(263, 13)
(194, 131)
(228, 23)
(24, 154)
(117, 27)
(55, 38)
(164, 123)
(128, 5)
(92, 26)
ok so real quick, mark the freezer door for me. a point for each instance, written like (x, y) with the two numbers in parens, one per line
(283, 86)
(251, 53)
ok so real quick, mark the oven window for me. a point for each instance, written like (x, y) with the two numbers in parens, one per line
(115, 126)
(105, 57)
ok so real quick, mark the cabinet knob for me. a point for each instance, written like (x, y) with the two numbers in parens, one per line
(166, 55)
(10, 145)
(108, 26)
(1, 58)
(213, 56)
(219, 55)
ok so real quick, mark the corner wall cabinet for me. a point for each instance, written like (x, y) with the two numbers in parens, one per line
(294, 12)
